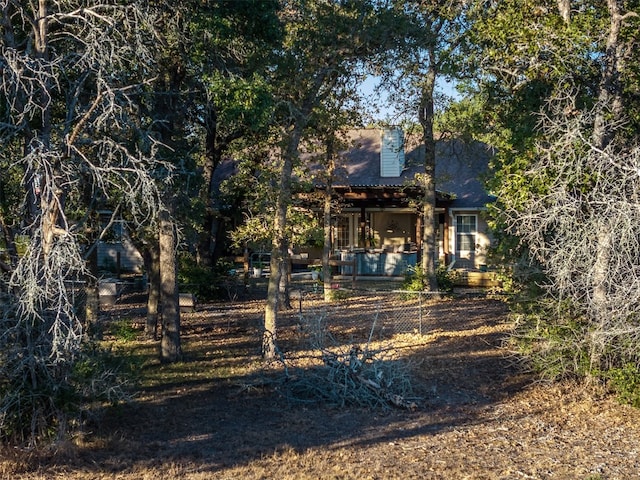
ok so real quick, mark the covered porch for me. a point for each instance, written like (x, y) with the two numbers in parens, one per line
(381, 230)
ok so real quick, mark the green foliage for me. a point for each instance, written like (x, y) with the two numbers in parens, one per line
(446, 279)
(625, 382)
(123, 330)
(206, 284)
(337, 294)
(465, 119)
(22, 244)
(519, 275)
(241, 103)
(233, 33)
(540, 75)
(551, 338)
(559, 342)
(529, 53)
(58, 398)
(10, 186)
(105, 374)
(416, 280)
(257, 228)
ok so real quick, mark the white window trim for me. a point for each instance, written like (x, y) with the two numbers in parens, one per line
(474, 232)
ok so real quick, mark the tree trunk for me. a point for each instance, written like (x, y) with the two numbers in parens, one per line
(564, 8)
(425, 117)
(92, 302)
(152, 267)
(206, 242)
(50, 196)
(269, 336)
(326, 248)
(215, 146)
(327, 195)
(285, 276)
(610, 107)
(609, 111)
(278, 244)
(170, 344)
(600, 273)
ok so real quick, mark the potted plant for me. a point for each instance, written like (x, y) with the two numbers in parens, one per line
(315, 271)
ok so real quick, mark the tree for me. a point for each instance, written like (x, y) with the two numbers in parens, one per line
(151, 255)
(206, 95)
(427, 37)
(69, 108)
(253, 191)
(165, 111)
(229, 56)
(568, 191)
(323, 43)
(170, 347)
(334, 116)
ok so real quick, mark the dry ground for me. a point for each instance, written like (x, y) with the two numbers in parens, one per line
(223, 417)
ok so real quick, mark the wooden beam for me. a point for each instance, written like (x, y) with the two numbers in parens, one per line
(374, 195)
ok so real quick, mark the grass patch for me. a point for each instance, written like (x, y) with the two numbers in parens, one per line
(123, 330)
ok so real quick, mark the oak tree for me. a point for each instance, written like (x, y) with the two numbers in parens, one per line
(324, 41)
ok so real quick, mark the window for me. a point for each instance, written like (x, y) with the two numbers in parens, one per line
(342, 233)
(466, 232)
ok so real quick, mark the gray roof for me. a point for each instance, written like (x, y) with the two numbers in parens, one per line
(460, 167)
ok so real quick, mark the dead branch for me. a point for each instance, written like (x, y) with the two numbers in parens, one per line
(350, 374)
(583, 226)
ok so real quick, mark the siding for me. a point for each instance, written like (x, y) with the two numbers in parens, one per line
(130, 259)
(392, 153)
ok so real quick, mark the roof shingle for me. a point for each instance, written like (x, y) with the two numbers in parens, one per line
(460, 167)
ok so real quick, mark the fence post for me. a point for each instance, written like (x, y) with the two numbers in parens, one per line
(420, 312)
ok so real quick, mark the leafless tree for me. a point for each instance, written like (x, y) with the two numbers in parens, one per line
(580, 215)
(72, 73)
(583, 225)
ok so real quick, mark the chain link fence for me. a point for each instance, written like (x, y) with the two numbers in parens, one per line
(386, 312)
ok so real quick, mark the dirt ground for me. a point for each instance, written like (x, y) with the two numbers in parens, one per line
(479, 416)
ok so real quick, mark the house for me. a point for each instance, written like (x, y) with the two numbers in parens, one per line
(378, 224)
(116, 252)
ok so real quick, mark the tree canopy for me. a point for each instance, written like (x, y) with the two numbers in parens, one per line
(71, 134)
(560, 97)
(132, 107)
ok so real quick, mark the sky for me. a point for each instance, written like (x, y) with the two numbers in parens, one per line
(387, 112)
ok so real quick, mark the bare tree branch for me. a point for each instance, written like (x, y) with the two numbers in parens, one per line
(583, 224)
(72, 74)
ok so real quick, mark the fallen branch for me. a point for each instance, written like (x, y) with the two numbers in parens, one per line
(352, 375)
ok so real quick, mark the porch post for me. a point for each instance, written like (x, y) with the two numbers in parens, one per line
(419, 236)
(446, 246)
(363, 228)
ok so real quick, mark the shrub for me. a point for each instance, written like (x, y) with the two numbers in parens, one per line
(339, 294)
(446, 279)
(52, 400)
(123, 330)
(558, 341)
(625, 382)
(205, 283)
(416, 280)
